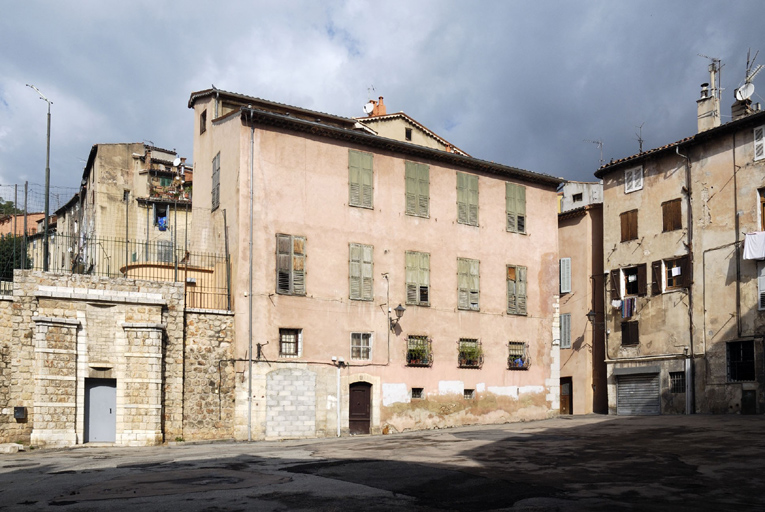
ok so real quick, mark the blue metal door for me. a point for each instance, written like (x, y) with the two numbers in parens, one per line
(100, 410)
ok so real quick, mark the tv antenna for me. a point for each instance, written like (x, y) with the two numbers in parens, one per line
(370, 90)
(640, 136)
(598, 143)
(745, 92)
(715, 74)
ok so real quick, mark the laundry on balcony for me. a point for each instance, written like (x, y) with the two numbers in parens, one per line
(162, 223)
(629, 307)
(754, 246)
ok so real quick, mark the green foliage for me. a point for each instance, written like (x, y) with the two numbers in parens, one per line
(11, 255)
(8, 208)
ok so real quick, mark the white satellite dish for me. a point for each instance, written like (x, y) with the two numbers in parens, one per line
(745, 92)
(369, 108)
(176, 162)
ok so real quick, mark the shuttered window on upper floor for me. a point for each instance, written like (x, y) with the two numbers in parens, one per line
(515, 205)
(468, 284)
(672, 218)
(467, 199)
(629, 221)
(565, 275)
(418, 278)
(216, 181)
(565, 330)
(516, 290)
(290, 264)
(417, 189)
(759, 143)
(360, 179)
(360, 272)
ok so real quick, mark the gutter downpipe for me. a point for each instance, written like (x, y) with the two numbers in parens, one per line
(249, 302)
(690, 388)
(338, 400)
(738, 239)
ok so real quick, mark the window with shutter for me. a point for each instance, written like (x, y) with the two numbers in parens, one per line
(467, 199)
(672, 215)
(634, 281)
(417, 278)
(629, 221)
(360, 271)
(677, 273)
(565, 275)
(417, 189)
(762, 208)
(216, 182)
(360, 179)
(761, 285)
(515, 207)
(516, 290)
(467, 284)
(630, 333)
(290, 264)
(565, 330)
(759, 143)
(633, 179)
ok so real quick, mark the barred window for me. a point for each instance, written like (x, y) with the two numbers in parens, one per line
(677, 382)
(518, 358)
(418, 351)
(418, 393)
(361, 345)
(290, 342)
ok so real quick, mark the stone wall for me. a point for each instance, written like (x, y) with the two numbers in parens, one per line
(209, 376)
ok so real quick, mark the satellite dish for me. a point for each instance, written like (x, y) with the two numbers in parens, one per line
(369, 108)
(176, 162)
(745, 92)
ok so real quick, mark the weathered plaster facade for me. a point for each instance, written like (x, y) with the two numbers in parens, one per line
(300, 187)
(696, 330)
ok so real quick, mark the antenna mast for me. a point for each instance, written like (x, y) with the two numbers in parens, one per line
(640, 136)
(715, 75)
(598, 143)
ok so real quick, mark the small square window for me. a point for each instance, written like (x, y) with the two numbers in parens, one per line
(361, 345)
(633, 180)
(741, 361)
(408, 134)
(577, 198)
(418, 351)
(677, 382)
(518, 358)
(125, 195)
(418, 393)
(469, 394)
(630, 333)
(470, 353)
(290, 342)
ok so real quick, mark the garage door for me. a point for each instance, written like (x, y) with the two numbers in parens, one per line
(637, 395)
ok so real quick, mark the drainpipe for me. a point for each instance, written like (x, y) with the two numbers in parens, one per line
(689, 364)
(738, 239)
(338, 400)
(249, 295)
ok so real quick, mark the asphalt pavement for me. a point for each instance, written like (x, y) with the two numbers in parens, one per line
(594, 463)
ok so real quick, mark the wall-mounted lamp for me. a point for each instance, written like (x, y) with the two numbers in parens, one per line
(591, 316)
(399, 313)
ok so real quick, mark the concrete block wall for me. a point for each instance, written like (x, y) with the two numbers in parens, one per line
(290, 403)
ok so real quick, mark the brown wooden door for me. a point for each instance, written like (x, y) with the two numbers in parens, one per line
(566, 396)
(360, 407)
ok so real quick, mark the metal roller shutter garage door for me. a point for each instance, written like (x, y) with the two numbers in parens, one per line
(638, 395)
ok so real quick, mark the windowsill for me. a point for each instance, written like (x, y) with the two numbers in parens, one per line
(362, 207)
(416, 216)
(674, 290)
(469, 309)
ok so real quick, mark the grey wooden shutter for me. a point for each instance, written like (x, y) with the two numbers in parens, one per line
(521, 282)
(366, 180)
(354, 271)
(283, 263)
(216, 182)
(759, 143)
(565, 330)
(512, 303)
(462, 201)
(463, 288)
(474, 282)
(412, 275)
(565, 275)
(298, 265)
(354, 178)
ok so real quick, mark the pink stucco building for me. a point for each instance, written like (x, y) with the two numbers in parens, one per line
(331, 226)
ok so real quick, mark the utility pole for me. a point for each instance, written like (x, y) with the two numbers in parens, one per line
(47, 183)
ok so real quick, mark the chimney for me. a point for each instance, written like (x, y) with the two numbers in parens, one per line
(379, 109)
(708, 107)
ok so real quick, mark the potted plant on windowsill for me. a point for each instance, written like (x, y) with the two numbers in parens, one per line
(470, 356)
(417, 356)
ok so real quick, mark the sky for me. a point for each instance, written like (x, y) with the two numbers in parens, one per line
(522, 83)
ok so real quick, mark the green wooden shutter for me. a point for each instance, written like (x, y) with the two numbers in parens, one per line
(354, 178)
(510, 207)
(366, 180)
(354, 271)
(474, 282)
(463, 283)
(298, 265)
(512, 303)
(412, 274)
(520, 208)
(423, 190)
(424, 280)
(472, 182)
(521, 290)
(411, 188)
(367, 274)
(283, 263)
(462, 194)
